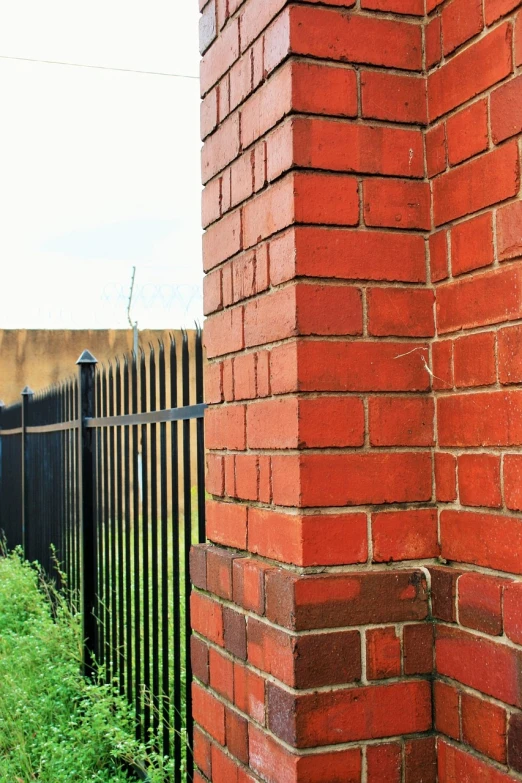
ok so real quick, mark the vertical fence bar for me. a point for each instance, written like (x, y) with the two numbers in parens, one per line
(87, 368)
(136, 478)
(200, 430)
(154, 543)
(187, 513)
(128, 531)
(2, 478)
(27, 393)
(145, 550)
(176, 580)
(164, 575)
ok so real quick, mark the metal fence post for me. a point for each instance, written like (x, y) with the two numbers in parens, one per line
(27, 393)
(86, 406)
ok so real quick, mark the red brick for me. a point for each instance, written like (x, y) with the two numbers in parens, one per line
(249, 584)
(484, 727)
(438, 244)
(358, 39)
(212, 292)
(226, 427)
(324, 198)
(476, 184)
(221, 674)
(418, 648)
(515, 742)
(227, 524)
(497, 8)
(249, 692)
(479, 480)
(222, 240)
(483, 665)
(199, 656)
(208, 712)
(401, 421)
(401, 312)
(513, 612)
(473, 70)
(461, 20)
(506, 110)
(219, 570)
(332, 539)
(433, 41)
(328, 310)
(215, 477)
(341, 600)
(198, 565)
(420, 760)
(383, 653)
(481, 419)
(358, 255)
(207, 618)
(209, 113)
(445, 477)
(474, 360)
(472, 244)
(513, 481)
(220, 57)
(396, 203)
(436, 149)
(384, 763)
(202, 752)
(354, 714)
(211, 203)
(442, 364)
(324, 89)
(489, 298)
(214, 382)
(220, 149)
(446, 703)
(414, 7)
(362, 366)
(263, 373)
(224, 770)
(467, 132)
(351, 479)
(509, 231)
(389, 96)
(236, 729)
(404, 535)
(455, 764)
(444, 593)
(255, 17)
(247, 477)
(244, 374)
(480, 603)
(272, 761)
(345, 146)
(240, 81)
(488, 540)
(230, 475)
(331, 422)
(518, 39)
(224, 332)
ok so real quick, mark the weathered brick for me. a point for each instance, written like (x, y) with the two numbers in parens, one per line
(383, 653)
(480, 602)
(354, 714)
(337, 600)
(509, 228)
(472, 244)
(484, 726)
(389, 96)
(461, 20)
(447, 713)
(400, 312)
(474, 360)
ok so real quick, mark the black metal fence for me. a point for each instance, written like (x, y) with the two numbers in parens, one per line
(107, 469)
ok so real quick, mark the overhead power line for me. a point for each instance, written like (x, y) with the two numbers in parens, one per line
(99, 67)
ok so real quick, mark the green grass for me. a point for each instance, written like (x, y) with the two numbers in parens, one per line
(55, 726)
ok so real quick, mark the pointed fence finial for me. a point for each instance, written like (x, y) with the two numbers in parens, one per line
(87, 358)
(27, 392)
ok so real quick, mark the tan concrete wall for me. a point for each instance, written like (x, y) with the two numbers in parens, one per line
(40, 357)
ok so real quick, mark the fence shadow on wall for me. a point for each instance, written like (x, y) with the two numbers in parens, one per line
(107, 470)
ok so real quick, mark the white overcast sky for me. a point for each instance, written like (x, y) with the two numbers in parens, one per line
(99, 169)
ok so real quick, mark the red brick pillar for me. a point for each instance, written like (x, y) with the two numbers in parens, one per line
(312, 644)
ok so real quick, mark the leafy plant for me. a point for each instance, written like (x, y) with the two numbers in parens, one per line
(55, 726)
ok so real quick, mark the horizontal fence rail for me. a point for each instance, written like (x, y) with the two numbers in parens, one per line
(102, 482)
